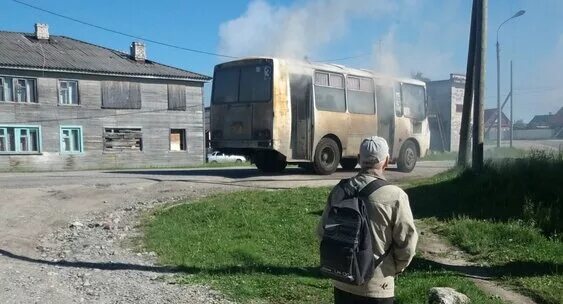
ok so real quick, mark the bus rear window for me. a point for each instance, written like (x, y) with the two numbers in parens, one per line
(248, 83)
(414, 102)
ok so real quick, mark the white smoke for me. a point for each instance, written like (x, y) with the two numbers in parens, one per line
(293, 31)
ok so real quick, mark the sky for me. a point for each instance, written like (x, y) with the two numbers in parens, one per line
(399, 37)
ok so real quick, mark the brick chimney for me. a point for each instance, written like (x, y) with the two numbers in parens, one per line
(138, 51)
(41, 31)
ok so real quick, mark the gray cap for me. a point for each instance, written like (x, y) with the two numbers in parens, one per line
(373, 150)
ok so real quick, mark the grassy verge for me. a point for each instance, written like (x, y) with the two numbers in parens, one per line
(491, 153)
(261, 246)
(508, 217)
(515, 252)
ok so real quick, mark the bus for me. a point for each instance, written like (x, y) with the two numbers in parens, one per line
(279, 111)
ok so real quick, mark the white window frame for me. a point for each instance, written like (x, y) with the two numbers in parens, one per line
(71, 139)
(17, 138)
(68, 92)
(30, 89)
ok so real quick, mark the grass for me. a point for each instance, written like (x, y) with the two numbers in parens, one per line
(259, 246)
(508, 217)
(491, 153)
(515, 252)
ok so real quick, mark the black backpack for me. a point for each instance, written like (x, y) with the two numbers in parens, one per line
(346, 246)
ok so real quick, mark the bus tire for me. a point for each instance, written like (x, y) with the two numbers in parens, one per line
(349, 163)
(407, 157)
(270, 162)
(327, 156)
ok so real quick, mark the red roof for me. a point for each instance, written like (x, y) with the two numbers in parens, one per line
(491, 119)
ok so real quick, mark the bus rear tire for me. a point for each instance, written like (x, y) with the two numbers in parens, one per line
(270, 162)
(407, 157)
(349, 163)
(327, 157)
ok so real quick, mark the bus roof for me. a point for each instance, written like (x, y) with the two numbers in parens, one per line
(337, 68)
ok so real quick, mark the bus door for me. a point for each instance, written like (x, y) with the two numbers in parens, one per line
(301, 99)
(386, 113)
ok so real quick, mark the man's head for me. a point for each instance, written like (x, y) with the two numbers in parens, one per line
(374, 153)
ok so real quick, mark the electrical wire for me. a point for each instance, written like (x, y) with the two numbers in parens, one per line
(123, 33)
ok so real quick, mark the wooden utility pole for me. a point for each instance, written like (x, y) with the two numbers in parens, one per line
(463, 154)
(480, 63)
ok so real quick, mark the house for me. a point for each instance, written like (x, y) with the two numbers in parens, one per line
(551, 122)
(491, 124)
(445, 105)
(540, 122)
(70, 104)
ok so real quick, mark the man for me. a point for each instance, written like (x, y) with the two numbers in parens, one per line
(391, 224)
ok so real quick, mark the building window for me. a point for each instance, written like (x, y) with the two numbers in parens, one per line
(71, 139)
(68, 92)
(121, 95)
(20, 139)
(177, 140)
(17, 89)
(329, 92)
(459, 108)
(123, 139)
(176, 97)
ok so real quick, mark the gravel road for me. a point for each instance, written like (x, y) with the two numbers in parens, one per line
(67, 237)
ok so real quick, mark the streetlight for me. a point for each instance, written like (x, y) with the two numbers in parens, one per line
(499, 110)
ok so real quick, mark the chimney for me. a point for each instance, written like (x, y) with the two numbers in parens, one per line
(138, 51)
(41, 31)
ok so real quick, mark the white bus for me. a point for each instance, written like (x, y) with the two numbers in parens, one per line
(278, 111)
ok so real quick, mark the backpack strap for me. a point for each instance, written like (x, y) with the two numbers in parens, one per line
(372, 187)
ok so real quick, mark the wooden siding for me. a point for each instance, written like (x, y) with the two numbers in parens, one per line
(176, 97)
(154, 119)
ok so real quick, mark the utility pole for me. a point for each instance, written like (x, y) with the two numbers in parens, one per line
(463, 154)
(511, 109)
(499, 110)
(480, 74)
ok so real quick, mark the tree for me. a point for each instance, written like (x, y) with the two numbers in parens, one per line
(420, 76)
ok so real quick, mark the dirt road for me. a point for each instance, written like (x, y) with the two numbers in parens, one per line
(65, 236)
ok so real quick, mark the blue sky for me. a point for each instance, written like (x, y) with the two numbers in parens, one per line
(403, 36)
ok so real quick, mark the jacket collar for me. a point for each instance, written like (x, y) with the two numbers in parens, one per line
(371, 172)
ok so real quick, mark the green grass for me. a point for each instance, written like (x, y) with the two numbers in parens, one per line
(261, 246)
(517, 253)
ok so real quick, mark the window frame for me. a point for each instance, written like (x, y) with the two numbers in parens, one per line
(30, 91)
(183, 140)
(425, 101)
(17, 139)
(343, 88)
(80, 139)
(59, 92)
(2, 94)
(372, 92)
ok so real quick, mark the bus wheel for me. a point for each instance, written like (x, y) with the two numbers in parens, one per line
(407, 157)
(327, 156)
(349, 163)
(270, 162)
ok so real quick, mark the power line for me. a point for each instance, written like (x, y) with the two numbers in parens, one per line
(343, 58)
(123, 33)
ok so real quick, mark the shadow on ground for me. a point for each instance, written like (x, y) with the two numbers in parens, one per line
(519, 269)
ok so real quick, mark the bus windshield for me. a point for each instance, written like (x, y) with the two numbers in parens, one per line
(414, 102)
(243, 83)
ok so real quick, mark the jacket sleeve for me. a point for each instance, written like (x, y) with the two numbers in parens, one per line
(405, 236)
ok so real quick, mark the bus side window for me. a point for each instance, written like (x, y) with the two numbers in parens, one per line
(398, 100)
(329, 92)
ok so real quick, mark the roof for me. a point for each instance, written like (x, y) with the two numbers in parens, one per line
(491, 118)
(64, 54)
(540, 120)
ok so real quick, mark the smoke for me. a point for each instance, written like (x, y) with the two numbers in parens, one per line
(294, 31)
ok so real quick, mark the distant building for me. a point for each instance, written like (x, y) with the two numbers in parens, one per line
(69, 104)
(491, 125)
(553, 122)
(445, 105)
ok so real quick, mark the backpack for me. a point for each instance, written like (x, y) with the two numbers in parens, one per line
(346, 247)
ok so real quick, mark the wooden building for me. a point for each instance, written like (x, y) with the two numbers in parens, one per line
(68, 104)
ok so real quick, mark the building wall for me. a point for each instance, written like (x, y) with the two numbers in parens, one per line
(439, 106)
(153, 118)
(457, 92)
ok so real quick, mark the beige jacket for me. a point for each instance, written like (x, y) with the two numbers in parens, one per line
(392, 225)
